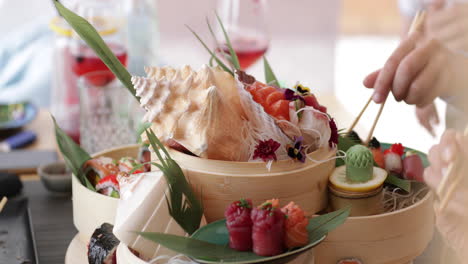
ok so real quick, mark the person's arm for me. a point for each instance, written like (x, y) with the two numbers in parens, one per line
(452, 222)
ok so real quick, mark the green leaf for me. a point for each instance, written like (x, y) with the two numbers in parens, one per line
(73, 155)
(234, 58)
(270, 76)
(400, 183)
(220, 63)
(210, 243)
(141, 129)
(324, 224)
(184, 205)
(89, 34)
(344, 143)
(194, 248)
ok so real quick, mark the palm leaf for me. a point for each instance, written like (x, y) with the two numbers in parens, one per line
(270, 76)
(89, 34)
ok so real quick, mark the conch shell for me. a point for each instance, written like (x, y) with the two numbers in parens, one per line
(199, 110)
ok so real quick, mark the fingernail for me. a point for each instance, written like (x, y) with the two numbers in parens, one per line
(377, 97)
(447, 155)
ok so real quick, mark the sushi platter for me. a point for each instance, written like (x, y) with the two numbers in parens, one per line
(233, 169)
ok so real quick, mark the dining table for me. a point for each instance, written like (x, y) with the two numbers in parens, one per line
(51, 214)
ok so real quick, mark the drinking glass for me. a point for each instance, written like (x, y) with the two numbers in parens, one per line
(245, 24)
(107, 112)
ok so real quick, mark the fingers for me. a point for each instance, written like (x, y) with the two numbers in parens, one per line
(383, 84)
(424, 118)
(409, 69)
(369, 81)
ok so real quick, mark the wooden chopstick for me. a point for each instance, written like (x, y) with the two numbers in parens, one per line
(416, 24)
(3, 202)
(453, 173)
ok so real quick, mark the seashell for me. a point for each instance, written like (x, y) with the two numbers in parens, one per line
(199, 110)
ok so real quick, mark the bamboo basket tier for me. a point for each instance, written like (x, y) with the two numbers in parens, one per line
(391, 238)
(91, 209)
(219, 183)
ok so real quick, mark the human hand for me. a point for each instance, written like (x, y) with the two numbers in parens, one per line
(452, 222)
(428, 117)
(418, 71)
(448, 24)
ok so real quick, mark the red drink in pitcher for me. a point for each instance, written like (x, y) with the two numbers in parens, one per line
(86, 61)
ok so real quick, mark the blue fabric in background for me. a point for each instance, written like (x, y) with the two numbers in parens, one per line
(26, 64)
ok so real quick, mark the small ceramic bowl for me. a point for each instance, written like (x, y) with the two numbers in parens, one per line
(56, 177)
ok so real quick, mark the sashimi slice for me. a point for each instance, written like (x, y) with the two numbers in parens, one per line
(268, 230)
(296, 234)
(279, 110)
(261, 94)
(274, 97)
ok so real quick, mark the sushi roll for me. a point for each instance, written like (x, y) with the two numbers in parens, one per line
(239, 224)
(102, 246)
(99, 168)
(413, 168)
(393, 162)
(109, 186)
(144, 156)
(268, 230)
(295, 226)
(374, 146)
(126, 164)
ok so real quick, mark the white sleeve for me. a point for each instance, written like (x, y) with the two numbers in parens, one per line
(408, 8)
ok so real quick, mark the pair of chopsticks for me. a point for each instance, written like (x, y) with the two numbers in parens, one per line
(416, 24)
(454, 176)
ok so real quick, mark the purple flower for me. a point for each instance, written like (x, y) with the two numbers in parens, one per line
(292, 95)
(297, 151)
(266, 149)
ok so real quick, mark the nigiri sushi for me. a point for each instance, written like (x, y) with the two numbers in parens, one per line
(374, 146)
(413, 168)
(393, 162)
(239, 224)
(268, 230)
(295, 226)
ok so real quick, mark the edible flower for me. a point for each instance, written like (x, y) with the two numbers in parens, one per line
(297, 151)
(302, 90)
(291, 95)
(266, 149)
(334, 133)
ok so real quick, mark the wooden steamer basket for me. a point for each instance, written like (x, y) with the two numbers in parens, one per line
(222, 182)
(91, 209)
(391, 238)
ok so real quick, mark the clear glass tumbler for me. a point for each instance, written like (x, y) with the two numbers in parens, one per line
(107, 112)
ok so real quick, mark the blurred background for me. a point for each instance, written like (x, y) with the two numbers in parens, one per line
(329, 46)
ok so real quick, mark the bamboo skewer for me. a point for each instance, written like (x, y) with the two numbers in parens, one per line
(3, 202)
(452, 172)
(415, 25)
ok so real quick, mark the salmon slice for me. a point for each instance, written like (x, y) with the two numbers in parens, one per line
(261, 95)
(274, 97)
(279, 110)
(296, 234)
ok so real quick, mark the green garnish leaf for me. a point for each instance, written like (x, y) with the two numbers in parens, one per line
(89, 34)
(74, 156)
(234, 59)
(344, 143)
(270, 76)
(397, 182)
(141, 129)
(212, 243)
(184, 205)
(324, 224)
(213, 55)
